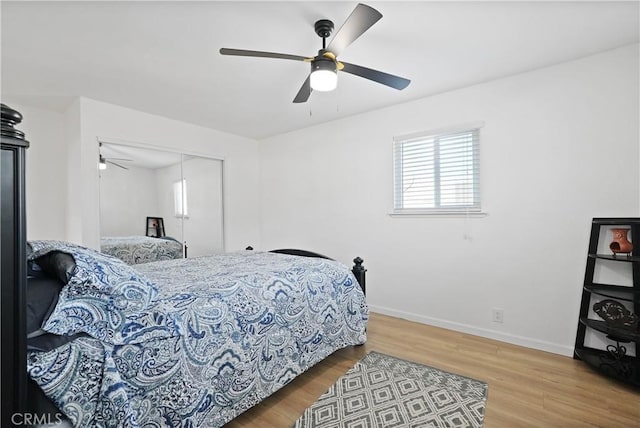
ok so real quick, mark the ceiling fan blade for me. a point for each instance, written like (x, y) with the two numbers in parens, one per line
(305, 91)
(360, 20)
(118, 159)
(116, 164)
(261, 54)
(387, 79)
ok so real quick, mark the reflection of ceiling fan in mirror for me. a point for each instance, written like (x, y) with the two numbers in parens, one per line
(104, 160)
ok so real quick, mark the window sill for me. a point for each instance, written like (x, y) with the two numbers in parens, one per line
(443, 214)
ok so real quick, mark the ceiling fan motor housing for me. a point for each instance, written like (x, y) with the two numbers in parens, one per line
(323, 28)
(322, 62)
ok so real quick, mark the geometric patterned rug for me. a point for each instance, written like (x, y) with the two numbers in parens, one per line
(385, 391)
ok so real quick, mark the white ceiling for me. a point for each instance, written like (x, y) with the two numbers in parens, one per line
(162, 57)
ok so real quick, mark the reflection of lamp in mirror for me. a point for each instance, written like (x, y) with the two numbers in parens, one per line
(102, 164)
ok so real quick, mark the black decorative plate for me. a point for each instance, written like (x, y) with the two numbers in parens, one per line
(616, 315)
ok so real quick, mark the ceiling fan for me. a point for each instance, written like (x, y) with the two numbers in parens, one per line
(325, 66)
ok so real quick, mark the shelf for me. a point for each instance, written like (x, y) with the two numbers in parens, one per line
(625, 335)
(624, 370)
(619, 258)
(606, 289)
(616, 221)
(612, 361)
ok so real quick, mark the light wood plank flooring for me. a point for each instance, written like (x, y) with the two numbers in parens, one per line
(527, 388)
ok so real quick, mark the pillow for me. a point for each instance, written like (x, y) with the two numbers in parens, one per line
(58, 264)
(49, 341)
(104, 297)
(94, 273)
(42, 296)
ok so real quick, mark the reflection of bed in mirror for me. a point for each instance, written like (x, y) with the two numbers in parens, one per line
(141, 249)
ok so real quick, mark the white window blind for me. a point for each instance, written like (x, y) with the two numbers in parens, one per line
(437, 173)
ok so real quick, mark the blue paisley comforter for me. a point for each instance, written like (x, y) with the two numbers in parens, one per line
(141, 249)
(190, 342)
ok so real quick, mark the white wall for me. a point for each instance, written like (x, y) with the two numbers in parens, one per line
(74, 192)
(559, 146)
(46, 167)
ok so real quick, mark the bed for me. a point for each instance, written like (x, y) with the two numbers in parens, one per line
(141, 249)
(183, 342)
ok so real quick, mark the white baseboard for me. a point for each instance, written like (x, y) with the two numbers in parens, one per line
(482, 332)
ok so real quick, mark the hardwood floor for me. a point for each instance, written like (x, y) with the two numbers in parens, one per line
(527, 388)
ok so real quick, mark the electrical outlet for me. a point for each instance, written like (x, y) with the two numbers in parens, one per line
(497, 315)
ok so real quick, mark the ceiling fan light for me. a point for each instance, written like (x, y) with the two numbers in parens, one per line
(324, 76)
(102, 164)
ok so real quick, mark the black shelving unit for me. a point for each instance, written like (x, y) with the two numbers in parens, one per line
(615, 360)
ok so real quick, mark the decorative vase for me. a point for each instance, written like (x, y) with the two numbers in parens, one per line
(620, 243)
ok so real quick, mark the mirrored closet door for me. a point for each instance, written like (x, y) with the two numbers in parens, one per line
(147, 193)
(202, 220)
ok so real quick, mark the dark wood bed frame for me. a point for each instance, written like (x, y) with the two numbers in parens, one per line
(13, 268)
(15, 394)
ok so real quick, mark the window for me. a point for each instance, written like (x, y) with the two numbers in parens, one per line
(437, 172)
(180, 198)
